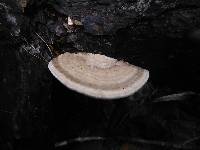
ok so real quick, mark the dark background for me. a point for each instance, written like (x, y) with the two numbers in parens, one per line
(38, 112)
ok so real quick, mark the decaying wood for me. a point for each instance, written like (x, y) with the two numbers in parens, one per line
(160, 35)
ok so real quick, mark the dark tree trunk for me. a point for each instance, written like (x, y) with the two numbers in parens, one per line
(161, 35)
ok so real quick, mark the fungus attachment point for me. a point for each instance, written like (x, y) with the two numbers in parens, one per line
(97, 75)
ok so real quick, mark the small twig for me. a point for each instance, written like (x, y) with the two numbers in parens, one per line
(79, 139)
(131, 140)
(191, 140)
(175, 97)
(50, 49)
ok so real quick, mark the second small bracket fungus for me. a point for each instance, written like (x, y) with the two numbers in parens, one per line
(97, 75)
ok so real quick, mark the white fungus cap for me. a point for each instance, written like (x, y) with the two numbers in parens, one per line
(97, 75)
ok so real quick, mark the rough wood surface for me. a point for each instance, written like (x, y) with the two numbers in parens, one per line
(163, 36)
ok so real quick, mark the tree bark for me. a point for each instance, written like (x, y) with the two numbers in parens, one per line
(160, 35)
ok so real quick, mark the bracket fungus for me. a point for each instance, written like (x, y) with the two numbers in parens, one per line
(97, 75)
